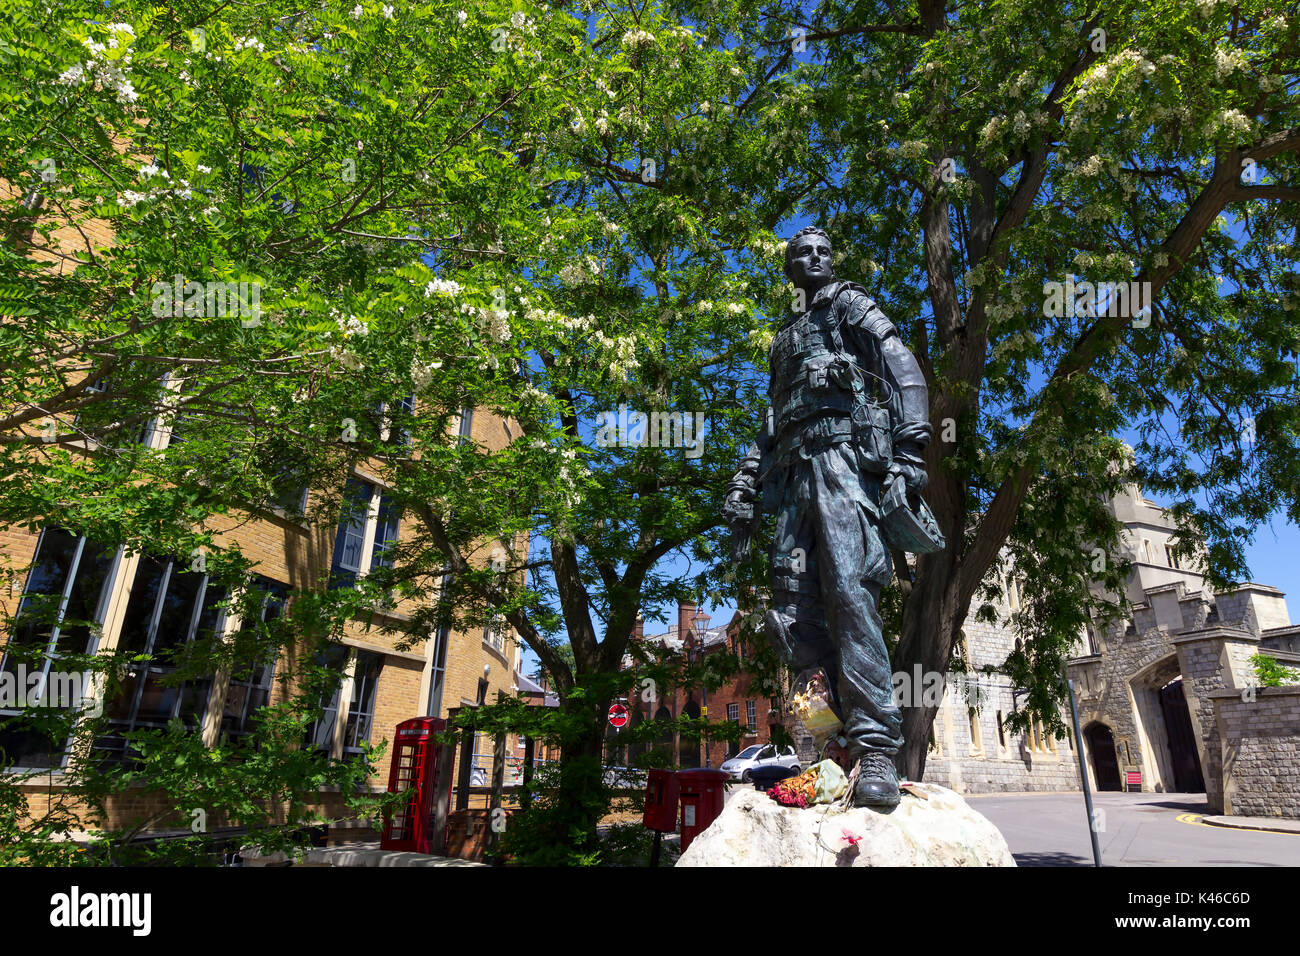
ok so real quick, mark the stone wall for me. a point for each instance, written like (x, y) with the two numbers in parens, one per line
(973, 751)
(1259, 731)
(1213, 662)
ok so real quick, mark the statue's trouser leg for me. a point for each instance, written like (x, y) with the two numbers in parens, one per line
(828, 566)
(853, 565)
(799, 633)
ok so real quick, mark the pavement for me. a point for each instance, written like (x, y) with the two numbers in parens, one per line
(365, 854)
(1266, 824)
(1135, 829)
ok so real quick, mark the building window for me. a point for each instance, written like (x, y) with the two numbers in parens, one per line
(349, 542)
(466, 424)
(1013, 593)
(483, 760)
(169, 608)
(733, 713)
(178, 421)
(250, 683)
(1036, 739)
(320, 736)
(1046, 740)
(289, 494)
(751, 717)
(97, 415)
(369, 525)
(361, 707)
(438, 660)
(1170, 556)
(976, 738)
(60, 612)
(287, 468)
(280, 459)
(494, 634)
(1002, 737)
(405, 411)
(387, 527)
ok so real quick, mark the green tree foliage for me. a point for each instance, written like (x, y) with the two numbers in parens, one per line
(309, 158)
(1272, 673)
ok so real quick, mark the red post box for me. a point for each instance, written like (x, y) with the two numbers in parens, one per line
(660, 801)
(415, 767)
(703, 792)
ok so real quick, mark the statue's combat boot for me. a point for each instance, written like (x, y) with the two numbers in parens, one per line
(877, 784)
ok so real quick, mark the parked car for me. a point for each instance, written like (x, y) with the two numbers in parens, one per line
(760, 755)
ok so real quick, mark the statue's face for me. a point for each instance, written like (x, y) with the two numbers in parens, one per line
(809, 265)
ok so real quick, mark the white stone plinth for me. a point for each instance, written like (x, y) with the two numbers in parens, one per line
(940, 830)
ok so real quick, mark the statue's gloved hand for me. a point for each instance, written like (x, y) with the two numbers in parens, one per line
(738, 510)
(738, 507)
(912, 472)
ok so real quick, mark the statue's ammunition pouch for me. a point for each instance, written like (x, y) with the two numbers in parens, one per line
(819, 373)
(872, 437)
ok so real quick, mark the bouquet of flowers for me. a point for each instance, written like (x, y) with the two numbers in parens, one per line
(811, 704)
(800, 791)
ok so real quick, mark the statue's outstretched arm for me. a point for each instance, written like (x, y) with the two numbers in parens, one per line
(743, 507)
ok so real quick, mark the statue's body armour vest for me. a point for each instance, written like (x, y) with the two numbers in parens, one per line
(809, 379)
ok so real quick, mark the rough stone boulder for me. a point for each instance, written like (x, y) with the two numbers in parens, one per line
(936, 829)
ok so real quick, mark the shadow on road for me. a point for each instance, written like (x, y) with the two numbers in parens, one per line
(1050, 859)
(1190, 806)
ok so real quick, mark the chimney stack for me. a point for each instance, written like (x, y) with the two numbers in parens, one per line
(685, 615)
(638, 629)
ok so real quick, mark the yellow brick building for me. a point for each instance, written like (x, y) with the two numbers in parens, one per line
(148, 602)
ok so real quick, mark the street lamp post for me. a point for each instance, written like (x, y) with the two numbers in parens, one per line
(1083, 770)
(1083, 764)
(700, 630)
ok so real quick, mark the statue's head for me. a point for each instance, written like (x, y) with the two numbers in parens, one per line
(808, 259)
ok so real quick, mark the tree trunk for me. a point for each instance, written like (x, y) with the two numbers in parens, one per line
(582, 801)
(932, 619)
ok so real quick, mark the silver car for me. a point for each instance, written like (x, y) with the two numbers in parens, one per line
(759, 755)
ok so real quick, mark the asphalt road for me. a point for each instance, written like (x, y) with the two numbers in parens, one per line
(1134, 829)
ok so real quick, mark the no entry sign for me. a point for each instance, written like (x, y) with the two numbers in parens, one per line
(617, 715)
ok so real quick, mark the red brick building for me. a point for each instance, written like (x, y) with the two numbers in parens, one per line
(739, 700)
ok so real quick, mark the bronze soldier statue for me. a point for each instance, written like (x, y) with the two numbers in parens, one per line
(840, 464)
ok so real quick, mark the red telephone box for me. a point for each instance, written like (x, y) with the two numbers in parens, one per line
(415, 766)
(703, 793)
(661, 793)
